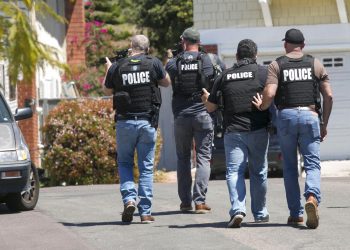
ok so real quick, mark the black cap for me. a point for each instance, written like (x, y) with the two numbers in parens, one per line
(294, 36)
(191, 34)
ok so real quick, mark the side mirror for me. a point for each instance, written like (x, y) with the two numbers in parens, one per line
(23, 113)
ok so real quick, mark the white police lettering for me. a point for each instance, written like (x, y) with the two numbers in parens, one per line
(302, 74)
(239, 75)
(192, 66)
(136, 78)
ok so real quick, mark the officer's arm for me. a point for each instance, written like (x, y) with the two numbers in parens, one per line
(107, 91)
(165, 82)
(327, 95)
(267, 96)
(263, 101)
(326, 91)
(211, 107)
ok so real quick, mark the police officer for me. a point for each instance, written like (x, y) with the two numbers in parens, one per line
(295, 82)
(190, 71)
(134, 81)
(246, 136)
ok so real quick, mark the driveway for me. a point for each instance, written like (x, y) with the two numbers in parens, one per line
(83, 217)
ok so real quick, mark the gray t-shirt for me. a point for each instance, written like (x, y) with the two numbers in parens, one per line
(183, 106)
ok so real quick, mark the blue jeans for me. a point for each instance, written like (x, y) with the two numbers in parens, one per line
(241, 148)
(139, 135)
(200, 128)
(299, 128)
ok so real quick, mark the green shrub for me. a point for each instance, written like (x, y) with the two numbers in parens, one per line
(80, 143)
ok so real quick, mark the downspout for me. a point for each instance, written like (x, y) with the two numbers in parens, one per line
(342, 11)
(264, 4)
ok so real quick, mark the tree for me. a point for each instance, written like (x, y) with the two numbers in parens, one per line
(164, 20)
(106, 32)
(19, 43)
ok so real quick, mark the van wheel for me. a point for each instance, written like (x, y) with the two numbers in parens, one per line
(27, 199)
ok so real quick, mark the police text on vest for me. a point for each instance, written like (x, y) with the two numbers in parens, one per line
(302, 74)
(192, 66)
(136, 78)
(239, 75)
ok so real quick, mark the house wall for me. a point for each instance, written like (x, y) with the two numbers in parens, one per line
(27, 96)
(209, 14)
(301, 12)
(75, 32)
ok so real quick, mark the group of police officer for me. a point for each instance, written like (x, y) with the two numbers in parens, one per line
(291, 87)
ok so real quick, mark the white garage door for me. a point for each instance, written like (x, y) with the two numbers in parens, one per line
(336, 146)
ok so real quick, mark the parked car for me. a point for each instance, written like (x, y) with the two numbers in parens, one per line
(19, 181)
(274, 157)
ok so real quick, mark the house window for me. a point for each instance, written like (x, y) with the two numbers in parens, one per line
(333, 62)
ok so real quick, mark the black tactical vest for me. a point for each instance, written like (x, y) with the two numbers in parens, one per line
(297, 84)
(239, 85)
(136, 86)
(190, 78)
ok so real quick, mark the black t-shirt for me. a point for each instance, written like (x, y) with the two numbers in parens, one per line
(183, 106)
(247, 121)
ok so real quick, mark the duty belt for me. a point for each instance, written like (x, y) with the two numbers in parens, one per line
(309, 108)
(133, 117)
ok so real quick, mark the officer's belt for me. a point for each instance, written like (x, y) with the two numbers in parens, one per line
(133, 117)
(309, 108)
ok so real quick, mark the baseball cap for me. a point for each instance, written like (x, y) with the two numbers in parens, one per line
(191, 34)
(294, 36)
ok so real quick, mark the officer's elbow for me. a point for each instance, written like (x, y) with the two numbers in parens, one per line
(328, 97)
(165, 82)
(107, 91)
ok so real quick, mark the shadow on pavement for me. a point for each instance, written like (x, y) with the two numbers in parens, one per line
(5, 210)
(93, 224)
(171, 212)
(220, 224)
(224, 225)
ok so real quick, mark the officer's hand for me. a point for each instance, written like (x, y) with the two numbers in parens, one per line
(257, 100)
(108, 63)
(205, 95)
(169, 53)
(323, 132)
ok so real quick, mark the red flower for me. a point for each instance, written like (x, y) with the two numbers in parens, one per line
(98, 23)
(86, 86)
(103, 30)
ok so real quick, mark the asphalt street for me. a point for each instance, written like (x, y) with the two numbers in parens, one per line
(89, 217)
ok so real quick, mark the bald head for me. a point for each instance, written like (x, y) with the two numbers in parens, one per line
(139, 43)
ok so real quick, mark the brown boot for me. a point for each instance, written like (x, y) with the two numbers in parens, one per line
(202, 208)
(311, 212)
(147, 219)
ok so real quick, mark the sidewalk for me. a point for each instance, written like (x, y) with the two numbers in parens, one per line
(328, 169)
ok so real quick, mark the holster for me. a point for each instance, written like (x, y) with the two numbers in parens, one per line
(156, 103)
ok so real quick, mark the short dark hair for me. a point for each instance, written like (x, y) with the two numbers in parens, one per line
(247, 49)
